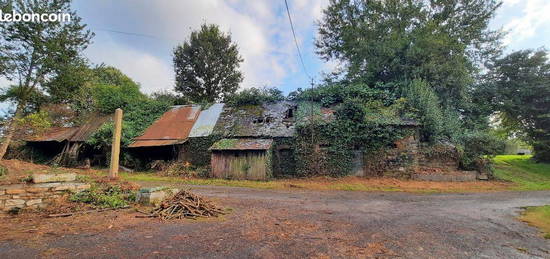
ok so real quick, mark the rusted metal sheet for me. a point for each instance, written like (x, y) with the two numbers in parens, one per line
(90, 127)
(242, 144)
(58, 134)
(249, 164)
(204, 125)
(173, 127)
(156, 143)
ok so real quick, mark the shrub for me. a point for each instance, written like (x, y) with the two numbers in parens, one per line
(105, 196)
(332, 94)
(255, 96)
(477, 147)
(423, 105)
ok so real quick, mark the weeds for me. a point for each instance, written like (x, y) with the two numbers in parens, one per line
(105, 196)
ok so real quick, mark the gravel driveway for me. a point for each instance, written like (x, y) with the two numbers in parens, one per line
(300, 223)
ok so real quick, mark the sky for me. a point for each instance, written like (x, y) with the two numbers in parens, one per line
(259, 27)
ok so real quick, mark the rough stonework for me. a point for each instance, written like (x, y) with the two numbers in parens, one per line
(52, 178)
(154, 196)
(37, 195)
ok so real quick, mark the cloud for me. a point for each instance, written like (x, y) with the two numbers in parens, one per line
(533, 19)
(260, 28)
(152, 73)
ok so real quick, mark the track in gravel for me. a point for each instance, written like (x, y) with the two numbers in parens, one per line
(303, 223)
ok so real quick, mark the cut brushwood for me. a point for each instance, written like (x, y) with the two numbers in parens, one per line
(186, 204)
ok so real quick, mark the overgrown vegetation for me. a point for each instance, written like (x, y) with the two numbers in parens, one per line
(326, 146)
(255, 96)
(138, 116)
(105, 196)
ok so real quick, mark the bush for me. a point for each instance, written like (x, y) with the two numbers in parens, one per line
(477, 147)
(332, 94)
(423, 105)
(255, 96)
(105, 196)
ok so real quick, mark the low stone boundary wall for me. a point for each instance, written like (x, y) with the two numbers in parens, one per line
(37, 195)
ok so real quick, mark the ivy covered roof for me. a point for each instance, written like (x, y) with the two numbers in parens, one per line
(242, 144)
(266, 120)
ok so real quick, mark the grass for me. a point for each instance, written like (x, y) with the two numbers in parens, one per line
(518, 173)
(538, 217)
(349, 183)
(524, 172)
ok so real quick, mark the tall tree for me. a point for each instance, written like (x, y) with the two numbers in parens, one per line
(396, 41)
(521, 81)
(207, 66)
(33, 52)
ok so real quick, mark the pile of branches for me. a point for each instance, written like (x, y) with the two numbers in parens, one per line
(186, 204)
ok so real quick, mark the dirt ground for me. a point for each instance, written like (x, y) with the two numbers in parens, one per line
(18, 170)
(297, 223)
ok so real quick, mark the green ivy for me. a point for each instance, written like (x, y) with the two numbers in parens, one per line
(137, 117)
(326, 147)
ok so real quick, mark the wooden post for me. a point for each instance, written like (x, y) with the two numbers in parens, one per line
(115, 147)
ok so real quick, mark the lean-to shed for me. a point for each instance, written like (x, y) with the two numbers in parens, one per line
(67, 145)
(242, 159)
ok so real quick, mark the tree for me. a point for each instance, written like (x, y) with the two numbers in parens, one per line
(169, 97)
(397, 41)
(112, 89)
(521, 81)
(32, 52)
(255, 96)
(207, 66)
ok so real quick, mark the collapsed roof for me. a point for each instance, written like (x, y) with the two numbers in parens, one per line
(242, 144)
(72, 134)
(267, 120)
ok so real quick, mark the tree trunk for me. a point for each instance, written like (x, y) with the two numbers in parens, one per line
(11, 130)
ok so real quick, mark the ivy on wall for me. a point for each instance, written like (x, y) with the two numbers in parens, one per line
(326, 146)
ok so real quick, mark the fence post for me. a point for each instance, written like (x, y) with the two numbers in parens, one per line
(115, 147)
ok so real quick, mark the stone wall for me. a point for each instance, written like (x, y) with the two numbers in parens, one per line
(400, 161)
(40, 194)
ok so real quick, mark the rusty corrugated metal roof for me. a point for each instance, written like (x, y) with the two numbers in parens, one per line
(73, 134)
(242, 144)
(87, 129)
(156, 143)
(171, 128)
(58, 134)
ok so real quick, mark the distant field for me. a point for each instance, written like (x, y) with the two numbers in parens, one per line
(524, 172)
